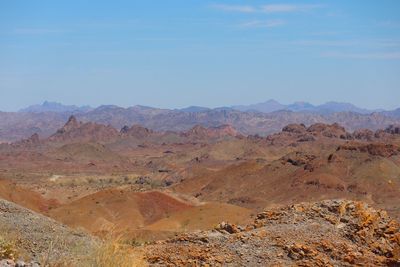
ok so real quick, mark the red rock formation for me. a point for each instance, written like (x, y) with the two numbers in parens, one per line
(74, 131)
(393, 129)
(71, 124)
(374, 149)
(136, 131)
(329, 130)
(294, 128)
(27, 143)
(364, 134)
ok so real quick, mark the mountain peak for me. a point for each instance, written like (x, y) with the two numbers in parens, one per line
(48, 106)
(72, 120)
(74, 131)
(71, 124)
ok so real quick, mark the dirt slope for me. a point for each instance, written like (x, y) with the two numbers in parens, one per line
(202, 217)
(25, 197)
(117, 210)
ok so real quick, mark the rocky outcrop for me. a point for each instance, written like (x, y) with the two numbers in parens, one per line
(295, 128)
(31, 142)
(393, 129)
(363, 134)
(71, 124)
(329, 130)
(137, 131)
(299, 133)
(74, 131)
(298, 158)
(19, 263)
(326, 233)
(374, 149)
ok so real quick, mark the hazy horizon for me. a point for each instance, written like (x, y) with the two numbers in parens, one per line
(199, 53)
(187, 106)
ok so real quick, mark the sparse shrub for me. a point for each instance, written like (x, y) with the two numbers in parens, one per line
(134, 243)
(115, 252)
(7, 249)
(155, 184)
(72, 183)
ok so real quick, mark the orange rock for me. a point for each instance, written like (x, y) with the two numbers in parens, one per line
(392, 227)
(350, 258)
(396, 238)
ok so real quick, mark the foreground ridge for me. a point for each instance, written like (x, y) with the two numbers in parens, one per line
(326, 233)
(41, 239)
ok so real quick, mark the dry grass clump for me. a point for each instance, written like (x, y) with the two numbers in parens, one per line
(113, 251)
(109, 253)
(8, 249)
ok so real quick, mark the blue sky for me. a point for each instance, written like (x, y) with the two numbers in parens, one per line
(209, 53)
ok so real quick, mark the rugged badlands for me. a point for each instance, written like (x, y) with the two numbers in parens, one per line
(93, 195)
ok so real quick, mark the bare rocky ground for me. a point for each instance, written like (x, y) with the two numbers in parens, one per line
(39, 238)
(327, 233)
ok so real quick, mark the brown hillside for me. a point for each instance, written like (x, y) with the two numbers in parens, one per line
(117, 210)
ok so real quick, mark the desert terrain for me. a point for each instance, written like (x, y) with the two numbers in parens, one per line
(199, 133)
(207, 195)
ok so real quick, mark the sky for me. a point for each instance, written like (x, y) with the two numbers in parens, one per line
(174, 54)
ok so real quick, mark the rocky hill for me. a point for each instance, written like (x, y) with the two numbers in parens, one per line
(327, 233)
(74, 131)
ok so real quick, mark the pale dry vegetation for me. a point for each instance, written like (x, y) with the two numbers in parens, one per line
(115, 252)
(8, 249)
(110, 252)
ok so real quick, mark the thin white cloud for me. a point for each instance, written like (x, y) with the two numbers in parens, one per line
(337, 43)
(271, 8)
(389, 24)
(350, 43)
(35, 31)
(285, 8)
(377, 55)
(236, 8)
(326, 33)
(262, 23)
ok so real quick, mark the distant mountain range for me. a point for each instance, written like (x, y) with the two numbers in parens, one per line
(55, 107)
(393, 113)
(261, 119)
(264, 107)
(329, 107)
